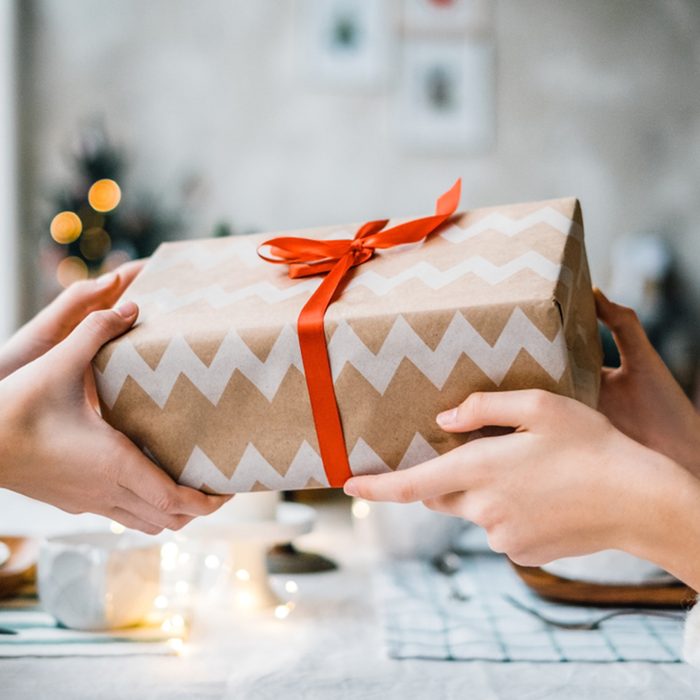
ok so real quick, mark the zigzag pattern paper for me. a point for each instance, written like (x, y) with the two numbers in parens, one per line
(423, 272)
(210, 382)
(401, 343)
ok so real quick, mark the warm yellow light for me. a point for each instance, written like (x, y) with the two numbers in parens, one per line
(245, 599)
(169, 550)
(291, 587)
(182, 587)
(212, 561)
(71, 269)
(95, 243)
(177, 645)
(242, 575)
(65, 227)
(360, 509)
(104, 195)
(161, 602)
(116, 528)
(177, 622)
(282, 611)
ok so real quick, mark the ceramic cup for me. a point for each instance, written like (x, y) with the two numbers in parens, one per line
(405, 530)
(99, 580)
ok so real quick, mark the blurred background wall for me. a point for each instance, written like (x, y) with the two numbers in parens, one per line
(597, 99)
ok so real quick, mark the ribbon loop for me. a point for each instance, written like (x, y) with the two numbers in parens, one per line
(310, 256)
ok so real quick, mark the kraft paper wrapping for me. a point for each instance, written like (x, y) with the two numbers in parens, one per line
(210, 381)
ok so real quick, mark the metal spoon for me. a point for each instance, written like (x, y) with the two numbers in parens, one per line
(592, 624)
(449, 564)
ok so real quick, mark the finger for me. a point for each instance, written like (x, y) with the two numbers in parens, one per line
(153, 485)
(449, 504)
(627, 331)
(132, 503)
(133, 522)
(70, 307)
(444, 474)
(514, 409)
(94, 331)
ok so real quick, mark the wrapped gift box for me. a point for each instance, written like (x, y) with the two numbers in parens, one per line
(210, 382)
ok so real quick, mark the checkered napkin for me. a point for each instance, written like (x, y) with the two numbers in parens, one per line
(38, 634)
(422, 619)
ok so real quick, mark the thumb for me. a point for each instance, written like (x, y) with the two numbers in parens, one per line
(94, 331)
(630, 338)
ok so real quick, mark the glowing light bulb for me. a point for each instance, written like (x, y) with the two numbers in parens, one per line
(242, 575)
(104, 195)
(291, 587)
(177, 645)
(212, 561)
(360, 509)
(161, 602)
(116, 528)
(66, 227)
(71, 269)
(182, 587)
(282, 611)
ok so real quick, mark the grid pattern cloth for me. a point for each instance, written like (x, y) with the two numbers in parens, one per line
(422, 619)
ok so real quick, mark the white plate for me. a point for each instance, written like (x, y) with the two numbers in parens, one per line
(4, 553)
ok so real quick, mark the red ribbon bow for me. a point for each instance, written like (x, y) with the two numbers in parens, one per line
(308, 256)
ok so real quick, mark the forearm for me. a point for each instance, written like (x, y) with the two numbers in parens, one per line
(666, 529)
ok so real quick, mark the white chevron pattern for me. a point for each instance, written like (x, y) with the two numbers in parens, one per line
(511, 227)
(179, 358)
(460, 338)
(345, 347)
(216, 297)
(254, 468)
(203, 257)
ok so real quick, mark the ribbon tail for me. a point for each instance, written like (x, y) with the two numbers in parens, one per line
(319, 376)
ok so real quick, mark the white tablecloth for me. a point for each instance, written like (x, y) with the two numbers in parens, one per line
(330, 647)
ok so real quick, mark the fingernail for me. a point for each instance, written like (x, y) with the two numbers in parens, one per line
(107, 280)
(350, 488)
(446, 418)
(127, 309)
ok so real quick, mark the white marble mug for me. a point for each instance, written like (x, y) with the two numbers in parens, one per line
(99, 580)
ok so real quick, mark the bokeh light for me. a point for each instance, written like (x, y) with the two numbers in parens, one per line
(95, 243)
(104, 195)
(66, 227)
(71, 269)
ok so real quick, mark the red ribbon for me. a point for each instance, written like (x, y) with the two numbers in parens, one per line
(309, 256)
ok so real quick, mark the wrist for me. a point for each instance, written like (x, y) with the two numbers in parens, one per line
(666, 526)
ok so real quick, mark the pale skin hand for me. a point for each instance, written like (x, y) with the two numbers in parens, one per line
(565, 483)
(56, 448)
(568, 481)
(641, 397)
(51, 325)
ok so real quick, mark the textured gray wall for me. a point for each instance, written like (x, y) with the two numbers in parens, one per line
(599, 99)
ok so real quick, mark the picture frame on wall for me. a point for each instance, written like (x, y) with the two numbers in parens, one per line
(347, 44)
(446, 98)
(442, 17)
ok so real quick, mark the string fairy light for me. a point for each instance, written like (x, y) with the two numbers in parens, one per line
(65, 227)
(360, 509)
(104, 195)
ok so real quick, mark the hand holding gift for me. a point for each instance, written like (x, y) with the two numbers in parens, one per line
(53, 444)
(568, 481)
(242, 375)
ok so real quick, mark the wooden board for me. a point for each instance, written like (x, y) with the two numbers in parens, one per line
(20, 568)
(670, 595)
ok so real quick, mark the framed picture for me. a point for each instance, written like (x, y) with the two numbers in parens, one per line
(445, 102)
(347, 43)
(445, 16)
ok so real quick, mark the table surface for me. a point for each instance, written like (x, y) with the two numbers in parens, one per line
(330, 647)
